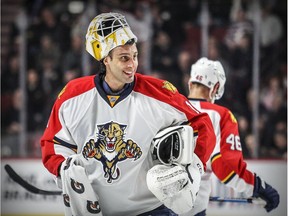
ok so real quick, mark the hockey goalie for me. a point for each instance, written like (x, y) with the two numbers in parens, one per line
(175, 178)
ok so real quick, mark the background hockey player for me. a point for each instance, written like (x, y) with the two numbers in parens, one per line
(97, 140)
(206, 85)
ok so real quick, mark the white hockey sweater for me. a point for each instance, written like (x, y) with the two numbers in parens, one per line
(122, 128)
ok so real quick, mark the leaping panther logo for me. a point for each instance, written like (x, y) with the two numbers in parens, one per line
(110, 148)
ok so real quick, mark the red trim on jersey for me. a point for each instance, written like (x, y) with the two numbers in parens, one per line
(200, 122)
(75, 87)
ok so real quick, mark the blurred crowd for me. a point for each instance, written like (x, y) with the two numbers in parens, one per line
(169, 41)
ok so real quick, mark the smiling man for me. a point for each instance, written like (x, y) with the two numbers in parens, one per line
(98, 138)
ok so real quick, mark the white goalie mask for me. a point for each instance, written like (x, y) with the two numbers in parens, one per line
(209, 73)
(105, 32)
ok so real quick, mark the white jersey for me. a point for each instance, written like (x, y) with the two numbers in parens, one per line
(122, 128)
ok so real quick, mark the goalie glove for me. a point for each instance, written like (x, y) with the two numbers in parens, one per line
(267, 193)
(176, 186)
(174, 144)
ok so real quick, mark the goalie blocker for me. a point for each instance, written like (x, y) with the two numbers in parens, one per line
(176, 180)
(175, 144)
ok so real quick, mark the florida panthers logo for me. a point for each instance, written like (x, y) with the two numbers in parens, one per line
(110, 148)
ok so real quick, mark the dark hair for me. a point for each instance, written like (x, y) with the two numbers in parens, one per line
(102, 69)
(130, 42)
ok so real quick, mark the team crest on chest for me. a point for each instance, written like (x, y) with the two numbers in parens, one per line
(110, 148)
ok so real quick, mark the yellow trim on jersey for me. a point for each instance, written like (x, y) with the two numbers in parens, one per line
(55, 142)
(215, 157)
(228, 177)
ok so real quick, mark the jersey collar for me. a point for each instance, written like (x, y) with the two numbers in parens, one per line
(197, 99)
(112, 98)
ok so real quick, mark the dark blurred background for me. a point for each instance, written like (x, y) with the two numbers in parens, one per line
(43, 47)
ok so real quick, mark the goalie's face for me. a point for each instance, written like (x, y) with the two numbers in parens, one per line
(121, 65)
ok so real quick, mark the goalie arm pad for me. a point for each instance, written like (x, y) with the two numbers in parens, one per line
(77, 190)
(174, 144)
(176, 186)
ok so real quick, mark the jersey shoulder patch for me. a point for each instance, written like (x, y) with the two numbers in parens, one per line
(233, 119)
(148, 84)
(169, 86)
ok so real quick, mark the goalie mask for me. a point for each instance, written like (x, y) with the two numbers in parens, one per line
(174, 145)
(209, 73)
(105, 32)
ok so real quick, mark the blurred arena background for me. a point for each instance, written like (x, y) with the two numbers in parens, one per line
(42, 48)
